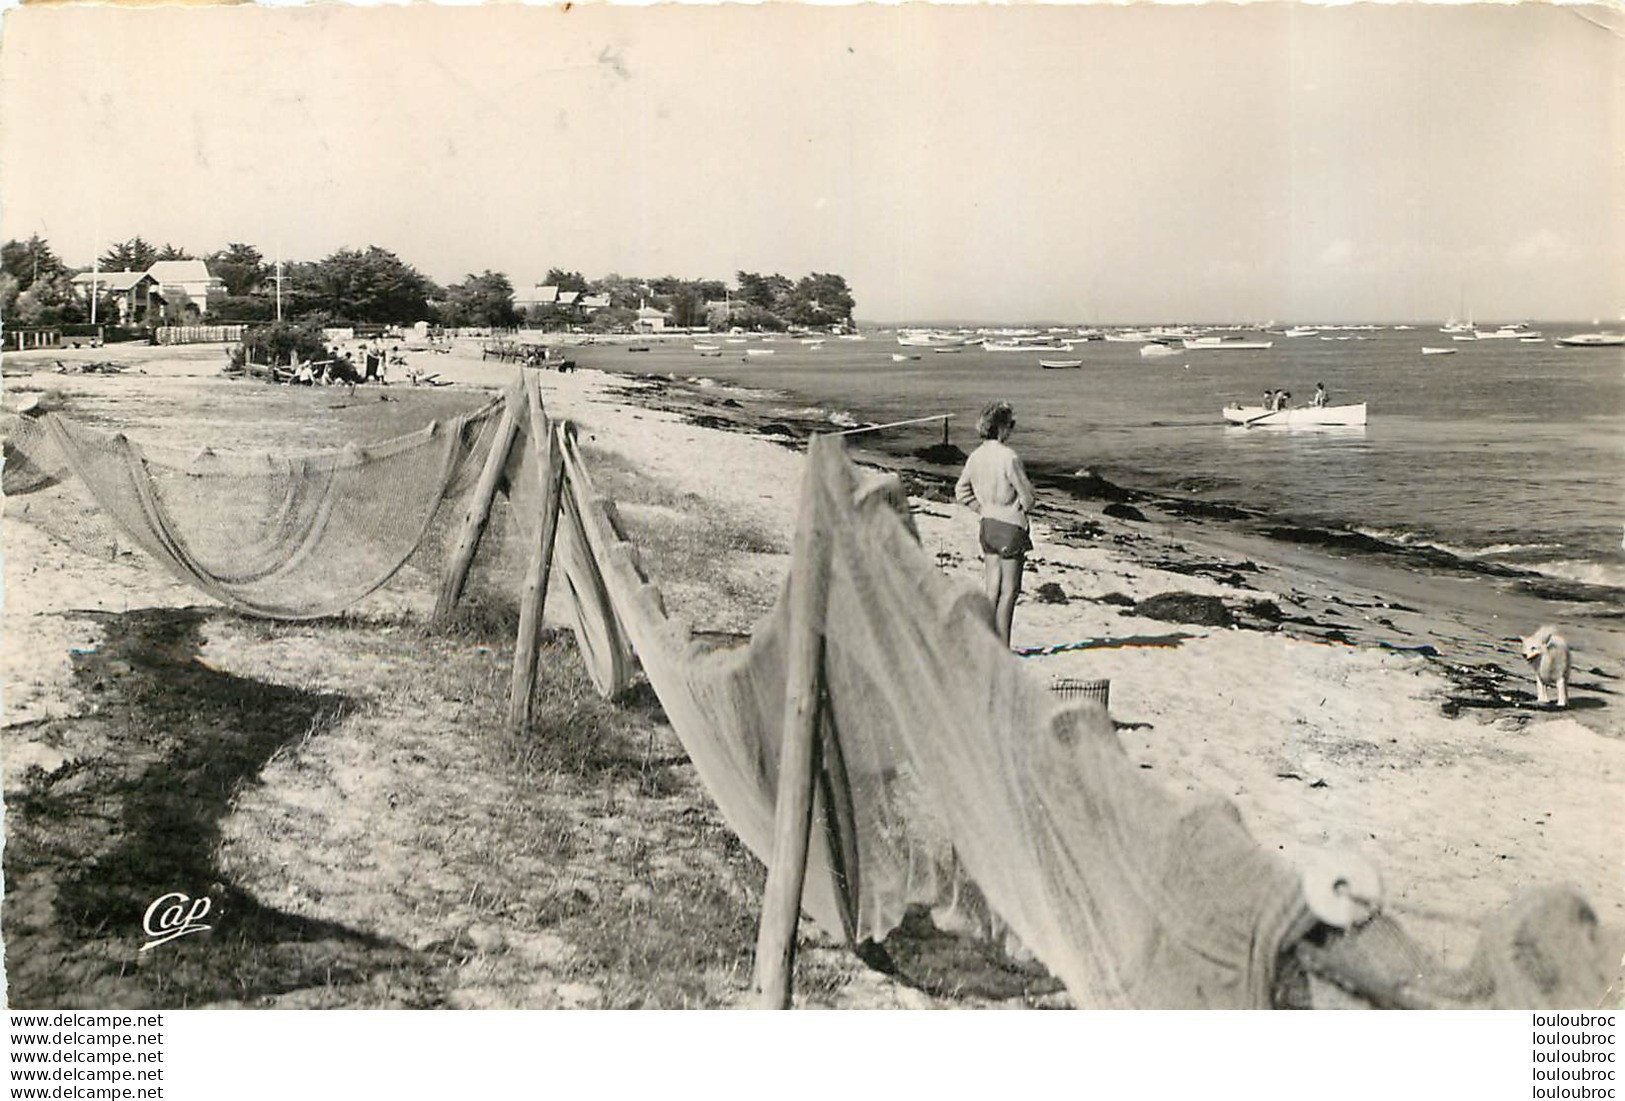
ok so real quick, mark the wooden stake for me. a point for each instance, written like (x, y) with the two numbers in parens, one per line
(799, 748)
(550, 460)
(840, 816)
(479, 511)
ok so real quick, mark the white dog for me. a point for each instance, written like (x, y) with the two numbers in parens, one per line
(1548, 652)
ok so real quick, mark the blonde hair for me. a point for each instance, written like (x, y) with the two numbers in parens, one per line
(996, 419)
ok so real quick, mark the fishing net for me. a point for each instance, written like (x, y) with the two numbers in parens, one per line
(953, 781)
(606, 651)
(960, 770)
(287, 536)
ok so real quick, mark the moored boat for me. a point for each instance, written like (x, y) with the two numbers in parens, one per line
(1059, 364)
(1592, 340)
(1505, 332)
(1215, 343)
(1303, 416)
(1440, 351)
(1151, 351)
(927, 338)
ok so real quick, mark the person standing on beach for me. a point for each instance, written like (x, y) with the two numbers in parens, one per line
(994, 483)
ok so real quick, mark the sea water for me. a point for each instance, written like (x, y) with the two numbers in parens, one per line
(1505, 456)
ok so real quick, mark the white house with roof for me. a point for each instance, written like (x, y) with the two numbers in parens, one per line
(186, 281)
(651, 320)
(538, 294)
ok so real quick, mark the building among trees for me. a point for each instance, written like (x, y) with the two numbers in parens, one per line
(184, 283)
(133, 295)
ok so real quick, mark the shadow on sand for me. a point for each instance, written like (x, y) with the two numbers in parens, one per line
(136, 813)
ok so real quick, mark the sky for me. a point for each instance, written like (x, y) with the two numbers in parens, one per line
(1091, 164)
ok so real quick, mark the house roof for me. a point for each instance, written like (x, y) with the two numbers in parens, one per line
(650, 311)
(111, 281)
(180, 271)
(568, 298)
(595, 301)
(543, 293)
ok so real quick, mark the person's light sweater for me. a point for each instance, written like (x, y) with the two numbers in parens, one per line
(995, 484)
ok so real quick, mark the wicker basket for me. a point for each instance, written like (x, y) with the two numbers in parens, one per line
(1077, 689)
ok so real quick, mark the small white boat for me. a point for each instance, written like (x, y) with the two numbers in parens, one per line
(1220, 344)
(1059, 364)
(1303, 332)
(1440, 351)
(707, 349)
(899, 357)
(946, 351)
(1303, 416)
(1470, 336)
(758, 351)
(927, 338)
(1152, 351)
(1593, 340)
(1023, 346)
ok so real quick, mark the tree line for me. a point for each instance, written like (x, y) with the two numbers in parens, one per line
(375, 286)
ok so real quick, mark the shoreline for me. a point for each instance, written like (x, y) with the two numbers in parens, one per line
(1320, 736)
(1453, 614)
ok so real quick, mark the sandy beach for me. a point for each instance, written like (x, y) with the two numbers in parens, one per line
(381, 827)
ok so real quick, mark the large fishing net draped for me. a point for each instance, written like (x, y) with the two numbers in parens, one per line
(287, 536)
(960, 767)
(954, 781)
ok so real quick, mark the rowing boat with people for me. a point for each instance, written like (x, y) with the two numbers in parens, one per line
(1306, 416)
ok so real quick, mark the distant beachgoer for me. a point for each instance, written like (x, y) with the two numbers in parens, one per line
(1269, 401)
(1319, 400)
(995, 484)
(1283, 399)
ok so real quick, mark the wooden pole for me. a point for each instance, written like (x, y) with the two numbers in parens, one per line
(798, 751)
(479, 511)
(840, 817)
(943, 417)
(550, 463)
